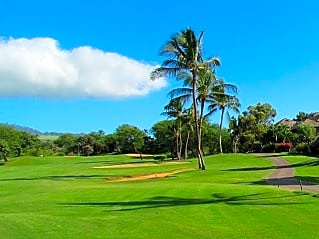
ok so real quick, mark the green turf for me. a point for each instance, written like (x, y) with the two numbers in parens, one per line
(306, 168)
(45, 137)
(65, 197)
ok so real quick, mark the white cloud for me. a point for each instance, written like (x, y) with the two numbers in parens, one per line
(39, 67)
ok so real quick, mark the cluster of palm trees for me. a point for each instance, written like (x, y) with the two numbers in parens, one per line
(202, 91)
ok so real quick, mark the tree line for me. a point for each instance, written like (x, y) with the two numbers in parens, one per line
(253, 130)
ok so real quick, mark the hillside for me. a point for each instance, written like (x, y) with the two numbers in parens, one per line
(31, 130)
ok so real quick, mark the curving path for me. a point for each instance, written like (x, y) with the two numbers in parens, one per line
(284, 176)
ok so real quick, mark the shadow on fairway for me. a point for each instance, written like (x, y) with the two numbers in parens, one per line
(162, 201)
(309, 163)
(307, 180)
(261, 155)
(57, 178)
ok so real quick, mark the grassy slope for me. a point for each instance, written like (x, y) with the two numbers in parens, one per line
(66, 198)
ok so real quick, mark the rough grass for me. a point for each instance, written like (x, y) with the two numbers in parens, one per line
(65, 197)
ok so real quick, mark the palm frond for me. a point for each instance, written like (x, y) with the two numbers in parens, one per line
(164, 72)
(180, 92)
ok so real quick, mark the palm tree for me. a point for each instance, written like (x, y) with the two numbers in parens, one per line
(205, 85)
(174, 109)
(224, 102)
(184, 54)
(188, 121)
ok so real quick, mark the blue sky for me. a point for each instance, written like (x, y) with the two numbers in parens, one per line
(56, 55)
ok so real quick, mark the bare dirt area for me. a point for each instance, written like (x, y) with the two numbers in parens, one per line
(137, 165)
(148, 176)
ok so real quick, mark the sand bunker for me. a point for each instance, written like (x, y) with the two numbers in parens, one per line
(148, 176)
(137, 165)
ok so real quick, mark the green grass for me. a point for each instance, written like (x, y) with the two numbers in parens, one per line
(45, 137)
(65, 197)
(306, 168)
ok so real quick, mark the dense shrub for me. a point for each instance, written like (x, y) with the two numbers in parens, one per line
(159, 157)
(269, 148)
(300, 148)
(315, 147)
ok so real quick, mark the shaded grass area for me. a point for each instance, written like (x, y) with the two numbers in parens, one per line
(60, 197)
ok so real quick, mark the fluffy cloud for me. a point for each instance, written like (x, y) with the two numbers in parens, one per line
(39, 67)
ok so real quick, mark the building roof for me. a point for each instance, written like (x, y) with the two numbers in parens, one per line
(314, 123)
(287, 122)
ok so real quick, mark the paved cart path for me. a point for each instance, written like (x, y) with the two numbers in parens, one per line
(284, 176)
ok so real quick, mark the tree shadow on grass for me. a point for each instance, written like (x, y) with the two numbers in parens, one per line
(270, 155)
(308, 163)
(56, 178)
(164, 201)
(286, 181)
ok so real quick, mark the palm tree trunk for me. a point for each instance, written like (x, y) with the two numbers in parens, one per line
(235, 142)
(202, 105)
(186, 145)
(180, 139)
(177, 144)
(201, 163)
(220, 131)
(200, 122)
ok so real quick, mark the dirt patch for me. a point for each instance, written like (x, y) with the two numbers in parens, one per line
(137, 165)
(148, 176)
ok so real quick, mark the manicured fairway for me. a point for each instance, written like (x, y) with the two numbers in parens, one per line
(66, 197)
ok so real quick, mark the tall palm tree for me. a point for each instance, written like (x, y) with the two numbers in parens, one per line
(211, 90)
(184, 54)
(224, 102)
(204, 87)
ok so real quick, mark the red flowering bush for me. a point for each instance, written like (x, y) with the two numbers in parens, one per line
(283, 147)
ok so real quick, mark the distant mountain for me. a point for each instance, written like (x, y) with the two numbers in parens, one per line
(34, 131)
(23, 128)
(30, 130)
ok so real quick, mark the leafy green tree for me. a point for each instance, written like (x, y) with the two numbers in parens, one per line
(306, 134)
(4, 149)
(86, 144)
(252, 126)
(68, 143)
(163, 136)
(301, 116)
(111, 143)
(130, 138)
(283, 134)
(184, 54)
(99, 144)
